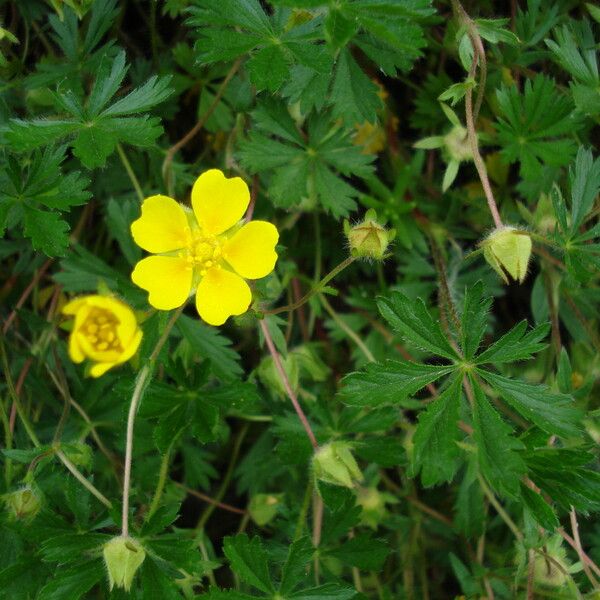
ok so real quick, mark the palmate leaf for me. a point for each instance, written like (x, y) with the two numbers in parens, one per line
(33, 192)
(516, 344)
(435, 453)
(498, 459)
(234, 28)
(535, 127)
(474, 319)
(94, 128)
(555, 413)
(299, 167)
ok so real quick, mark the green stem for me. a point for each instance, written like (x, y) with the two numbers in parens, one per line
(143, 379)
(131, 173)
(81, 478)
(315, 290)
(208, 511)
(301, 522)
(160, 486)
(346, 329)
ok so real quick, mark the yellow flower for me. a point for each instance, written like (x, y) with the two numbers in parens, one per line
(105, 331)
(208, 249)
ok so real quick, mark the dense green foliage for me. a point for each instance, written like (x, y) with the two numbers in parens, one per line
(456, 414)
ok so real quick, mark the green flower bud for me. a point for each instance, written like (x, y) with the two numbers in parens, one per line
(334, 463)
(457, 145)
(264, 507)
(369, 239)
(123, 556)
(507, 250)
(24, 503)
(78, 453)
(373, 504)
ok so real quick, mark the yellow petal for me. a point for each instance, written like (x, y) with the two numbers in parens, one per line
(131, 348)
(168, 279)
(100, 368)
(163, 226)
(91, 352)
(251, 251)
(220, 295)
(71, 308)
(75, 352)
(218, 202)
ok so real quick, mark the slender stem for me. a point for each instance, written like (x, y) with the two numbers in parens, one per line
(579, 547)
(315, 290)
(141, 383)
(318, 508)
(584, 557)
(206, 498)
(160, 486)
(346, 329)
(166, 168)
(84, 482)
(500, 510)
(303, 510)
(470, 114)
(228, 474)
(134, 180)
(286, 384)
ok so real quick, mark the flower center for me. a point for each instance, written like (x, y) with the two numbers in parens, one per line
(100, 329)
(204, 253)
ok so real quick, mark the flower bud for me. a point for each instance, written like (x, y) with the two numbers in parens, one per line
(334, 463)
(24, 503)
(369, 239)
(123, 556)
(507, 250)
(373, 504)
(457, 144)
(264, 507)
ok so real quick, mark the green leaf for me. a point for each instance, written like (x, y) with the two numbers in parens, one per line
(328, 591)
(414, 322)
(48, 232)
(71, 546)
(249, 561)
(435, 454)
(363, 552)
(210, 344)
(217, 594)
(554, 413)
(353, 94)
(295, 568)
(539, 508)
(516, 344)
(535, 128)
(95, 127)
(497, 454)
(585, 185)
(474, 319)
(390, 382)
(72, 582)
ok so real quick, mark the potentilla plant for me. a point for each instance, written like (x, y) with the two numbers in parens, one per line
(299, 300)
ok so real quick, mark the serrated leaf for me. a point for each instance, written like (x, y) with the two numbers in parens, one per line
(515, 345)
(539, 508)
(48, 232)
(554, 413)
(435, 452)
(389, 382)
(295, 567)
(210, 344)
(497, 449)
(363, 552)
(72, 582)
(414, 322)
(249, 561)
(474, 319)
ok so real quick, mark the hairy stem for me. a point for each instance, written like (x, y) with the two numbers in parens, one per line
(287, 385)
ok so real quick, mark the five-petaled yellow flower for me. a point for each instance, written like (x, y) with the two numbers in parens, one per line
(105, 331)
(208, 249)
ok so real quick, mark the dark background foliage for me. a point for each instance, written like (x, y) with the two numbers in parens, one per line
(470, 406)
